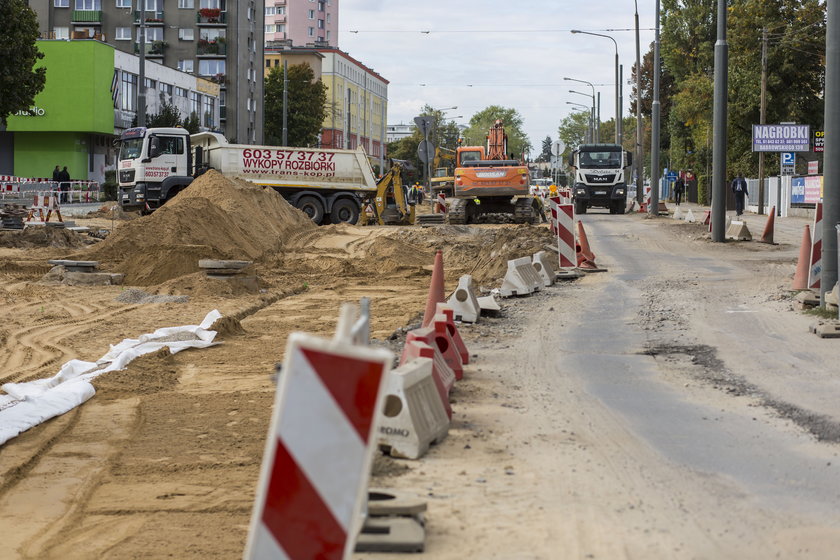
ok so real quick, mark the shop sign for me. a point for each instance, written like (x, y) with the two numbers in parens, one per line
(33, 112)
(781, 138)
(819, 140)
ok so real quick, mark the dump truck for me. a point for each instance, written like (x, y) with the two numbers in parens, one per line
(599, 177)
(329, 185)
(487, 181)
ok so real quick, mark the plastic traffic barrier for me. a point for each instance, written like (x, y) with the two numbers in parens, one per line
(542, 264)
(815, 269)
(449, 315)
(464, 302)
(437, 336)
(738, 231)
(443, 375)
(521, 279)
(313, 481)
(413, 417)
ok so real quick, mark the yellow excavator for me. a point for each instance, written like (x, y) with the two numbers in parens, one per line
(390, 206)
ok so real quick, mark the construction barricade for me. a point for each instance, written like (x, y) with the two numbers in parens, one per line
(521, 279)
(437, 336)
(464, 302)
(542, 264)
(443, 375)
(41, 203)
(313, 480)
(413, 415)
(815, 268)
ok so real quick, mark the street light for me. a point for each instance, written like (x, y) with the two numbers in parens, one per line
(596, 117)
(617, 84)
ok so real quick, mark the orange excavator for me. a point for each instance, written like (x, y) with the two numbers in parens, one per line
(488, 182)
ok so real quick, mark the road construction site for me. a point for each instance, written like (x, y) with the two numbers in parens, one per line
(674, 406)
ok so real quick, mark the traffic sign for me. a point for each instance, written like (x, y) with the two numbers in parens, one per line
(425, 149)
(672, 176)
(788, 163)
(424, 124)
(558, 148)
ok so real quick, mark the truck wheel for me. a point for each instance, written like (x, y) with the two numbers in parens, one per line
(580, 207)
(344, 211)
(312, 207)
(621, 207)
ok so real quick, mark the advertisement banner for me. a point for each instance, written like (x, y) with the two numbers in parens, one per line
(813, 189)
(797, 190)
(813, 167)
(781, 138)
(819, 140)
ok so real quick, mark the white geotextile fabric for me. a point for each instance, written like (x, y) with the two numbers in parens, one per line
(28, 404)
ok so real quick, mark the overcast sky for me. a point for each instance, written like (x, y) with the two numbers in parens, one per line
(514, 53)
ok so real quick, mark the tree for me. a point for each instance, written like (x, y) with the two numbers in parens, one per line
(481, 122)
(191, 123)
(443, 135)
(20, 82)
(307, 106)
(573, 129)
(168, 116)
(545, 154)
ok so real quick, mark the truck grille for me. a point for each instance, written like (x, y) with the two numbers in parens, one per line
(126, 176)
(600, 179)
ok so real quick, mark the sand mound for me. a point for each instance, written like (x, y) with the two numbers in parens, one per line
(213, 218)
(40, 237)
(151, 373)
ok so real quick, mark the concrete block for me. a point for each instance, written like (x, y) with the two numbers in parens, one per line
(488, 305)
(521, 278)
(826, 329)
(391, 534)
(91, 278)
(544, 266)
(413, 418)
(464, 302)
(738, 231)
(76, 266)
(223, 264)
(390, 502)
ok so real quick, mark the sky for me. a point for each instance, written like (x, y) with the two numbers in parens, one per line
(495, 52)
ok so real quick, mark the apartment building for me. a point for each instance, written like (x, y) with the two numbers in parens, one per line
(302, 21)
(221, 40)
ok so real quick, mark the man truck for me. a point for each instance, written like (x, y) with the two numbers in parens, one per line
(600, 177)
(329, 185)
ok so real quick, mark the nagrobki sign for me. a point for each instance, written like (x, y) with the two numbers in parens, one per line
(31, 112)
(781, 137)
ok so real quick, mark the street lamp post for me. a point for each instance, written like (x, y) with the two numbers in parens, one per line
(596, 129)
(617, 84)
(141, 86)
(639, 159)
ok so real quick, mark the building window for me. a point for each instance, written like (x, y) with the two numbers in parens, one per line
(152, 34)
(150, 84)
(123, 34)
(186, 4)
(310, 31)
(181, 92)
(212, 4)
(281, 10)
(328, 17)
(328, 34)
(165, 88)
(61, 32)
(270, 11)
(186, 34)
(268, 64)
(281, 28)
(310, 14)
(186, 65)
(61, 3)
(88, 5)
(195, 103)
(320, 6)
(124, 4)
(270, 29)
(208, 111)
(320, 24)
(128, 90)
(250, 13)
(211, 67)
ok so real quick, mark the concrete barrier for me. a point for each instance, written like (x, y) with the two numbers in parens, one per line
(489, 305)
(738, 231)
(521, 278)
(464, 301)
(443, 375)
(413, 417)
(542, 264)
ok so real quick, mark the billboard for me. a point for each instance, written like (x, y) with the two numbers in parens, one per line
(781, 138)
(806, 190)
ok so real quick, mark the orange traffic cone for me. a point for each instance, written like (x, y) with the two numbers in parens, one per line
(436, 290)
(800, 279)
(767, 236)
(584, 243)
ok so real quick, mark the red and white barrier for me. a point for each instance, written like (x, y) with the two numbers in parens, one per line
(41, 203)
(566, 235)
(815, 270)
(313, 481)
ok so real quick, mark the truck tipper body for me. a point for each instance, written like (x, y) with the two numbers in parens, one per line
(599, 177)
(329, 185)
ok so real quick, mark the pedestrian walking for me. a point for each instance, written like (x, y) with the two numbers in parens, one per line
(739, 188)
(57, 174)
(679, 189)
(64, 186)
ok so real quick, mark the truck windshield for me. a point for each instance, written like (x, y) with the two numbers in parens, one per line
(470, 156)
(131, 149)
(600, 159)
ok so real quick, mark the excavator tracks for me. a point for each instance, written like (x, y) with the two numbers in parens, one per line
(457, 213)
(523, 211)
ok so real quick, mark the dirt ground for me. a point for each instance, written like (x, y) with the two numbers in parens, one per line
(163, 461)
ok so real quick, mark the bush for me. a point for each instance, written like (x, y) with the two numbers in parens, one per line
(109, 187)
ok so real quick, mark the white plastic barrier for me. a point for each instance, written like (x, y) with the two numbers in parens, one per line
(413, 417)
(464, 302)
(542, 264)
(521, 279)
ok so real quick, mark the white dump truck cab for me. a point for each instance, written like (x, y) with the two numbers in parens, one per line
(154, 165)
(600, 177)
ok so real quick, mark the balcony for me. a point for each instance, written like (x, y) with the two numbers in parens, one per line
(86, 16)
(155, 48)
(217, 78)
(211, 16)
(215, 47)
(152, 17)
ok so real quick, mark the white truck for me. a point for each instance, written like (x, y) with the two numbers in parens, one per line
(599, 178)
(155, 164)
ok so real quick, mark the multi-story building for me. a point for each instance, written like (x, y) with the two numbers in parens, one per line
(90, 96)
(221, 40)
(357, 96)
(399, 131)
(302, 21)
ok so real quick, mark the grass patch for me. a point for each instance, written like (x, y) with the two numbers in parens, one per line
(822, 313)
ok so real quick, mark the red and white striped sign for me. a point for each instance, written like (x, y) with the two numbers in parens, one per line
(566, 235)
(314, 475)
(552, 206)
(815, 270)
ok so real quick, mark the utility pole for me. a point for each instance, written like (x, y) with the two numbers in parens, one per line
(620, 122)
(141, 87)
(831, 169)
(598, 120)
(285, 102)
(761, 120)
(719, 127)
(654, 124)
(639, 159)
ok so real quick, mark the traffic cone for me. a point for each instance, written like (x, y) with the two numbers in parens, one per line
(767, 236)
(436, 290)
(800, 279)
(584, 243)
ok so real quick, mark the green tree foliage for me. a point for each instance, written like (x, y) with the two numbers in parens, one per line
(481, 122)
(307, 106)
(19, 81)
(443, 136)
(572, 130)
(545, 154)
(168, 116)
(191, 123)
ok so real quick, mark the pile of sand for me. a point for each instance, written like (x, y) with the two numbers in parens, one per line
(40, 236)
(213, 218)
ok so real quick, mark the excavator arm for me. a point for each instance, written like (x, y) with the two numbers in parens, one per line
(391, 205)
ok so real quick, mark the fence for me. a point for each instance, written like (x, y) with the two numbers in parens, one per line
(20, 188)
